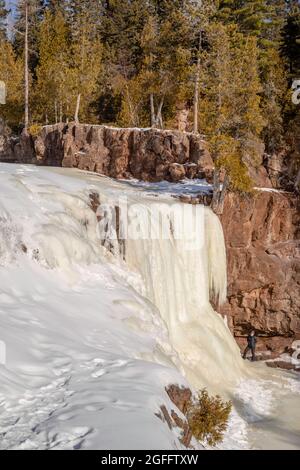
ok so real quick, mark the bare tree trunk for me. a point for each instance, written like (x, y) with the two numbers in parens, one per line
(26, 72)
(60, 113)
(68, 113)
(196, 91)
(297, 181)
(158, 119)
(219, 192)
(216, 190)
(152, 110)
(133, 115)
(55, 111)
(76, 117)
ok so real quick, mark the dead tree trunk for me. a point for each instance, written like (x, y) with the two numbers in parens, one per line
(158, 119)
(196, 90)
(219, 191)
(152, 110)
(297, 182)
(26, 72)
(60, 113)
(55, 111)
(76, 116)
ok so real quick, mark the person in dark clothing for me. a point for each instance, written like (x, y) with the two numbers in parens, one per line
(251, 344)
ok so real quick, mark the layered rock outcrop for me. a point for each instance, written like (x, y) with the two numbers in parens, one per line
(15, 149)
(146, 154)
(263, 253)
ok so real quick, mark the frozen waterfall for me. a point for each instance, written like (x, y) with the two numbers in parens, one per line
(179, 251)
(180, 276)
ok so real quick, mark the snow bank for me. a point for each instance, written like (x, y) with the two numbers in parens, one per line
(87, 358)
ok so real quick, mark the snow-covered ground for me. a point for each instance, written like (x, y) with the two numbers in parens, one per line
(186, 187)
(87, 358)
(85, 365)
(84, 356)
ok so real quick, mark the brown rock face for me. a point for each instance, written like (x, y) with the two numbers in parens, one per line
(6, 148)
(263, 255)
(147, 154)
(14, 149)
(180, 397)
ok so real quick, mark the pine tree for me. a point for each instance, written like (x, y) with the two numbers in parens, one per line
(86, 64)
(121, 26)
(167, 44)
(53, 95)
(254, 17)
(77, 11)
(230, 109)
(36, 9)
(290, 50)
(70, 64)
(11, 72)
(264, 21)
(290, 47)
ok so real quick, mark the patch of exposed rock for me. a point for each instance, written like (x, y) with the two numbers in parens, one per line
(263, 254)
(146, 154)
(180, 397)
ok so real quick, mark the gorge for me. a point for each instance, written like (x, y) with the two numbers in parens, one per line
(114, 320)
(261, 230)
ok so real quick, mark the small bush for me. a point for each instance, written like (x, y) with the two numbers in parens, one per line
(208, 417)
(226, 153)
(34, 129)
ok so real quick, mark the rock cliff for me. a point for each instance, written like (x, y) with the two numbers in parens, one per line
(263, 253)
(146, 154)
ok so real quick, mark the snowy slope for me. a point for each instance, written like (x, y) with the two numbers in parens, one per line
(79, 340)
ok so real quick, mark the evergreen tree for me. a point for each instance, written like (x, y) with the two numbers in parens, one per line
(36, 9)
(122, 23)
(54, 83)
(165, 68)
(86, 63)
(255, 17)
(264, 20)
(11, 72)
(230, 109)
(290, 48)
(69, 66)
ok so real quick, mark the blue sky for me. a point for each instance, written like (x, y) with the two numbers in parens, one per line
(11, 4)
